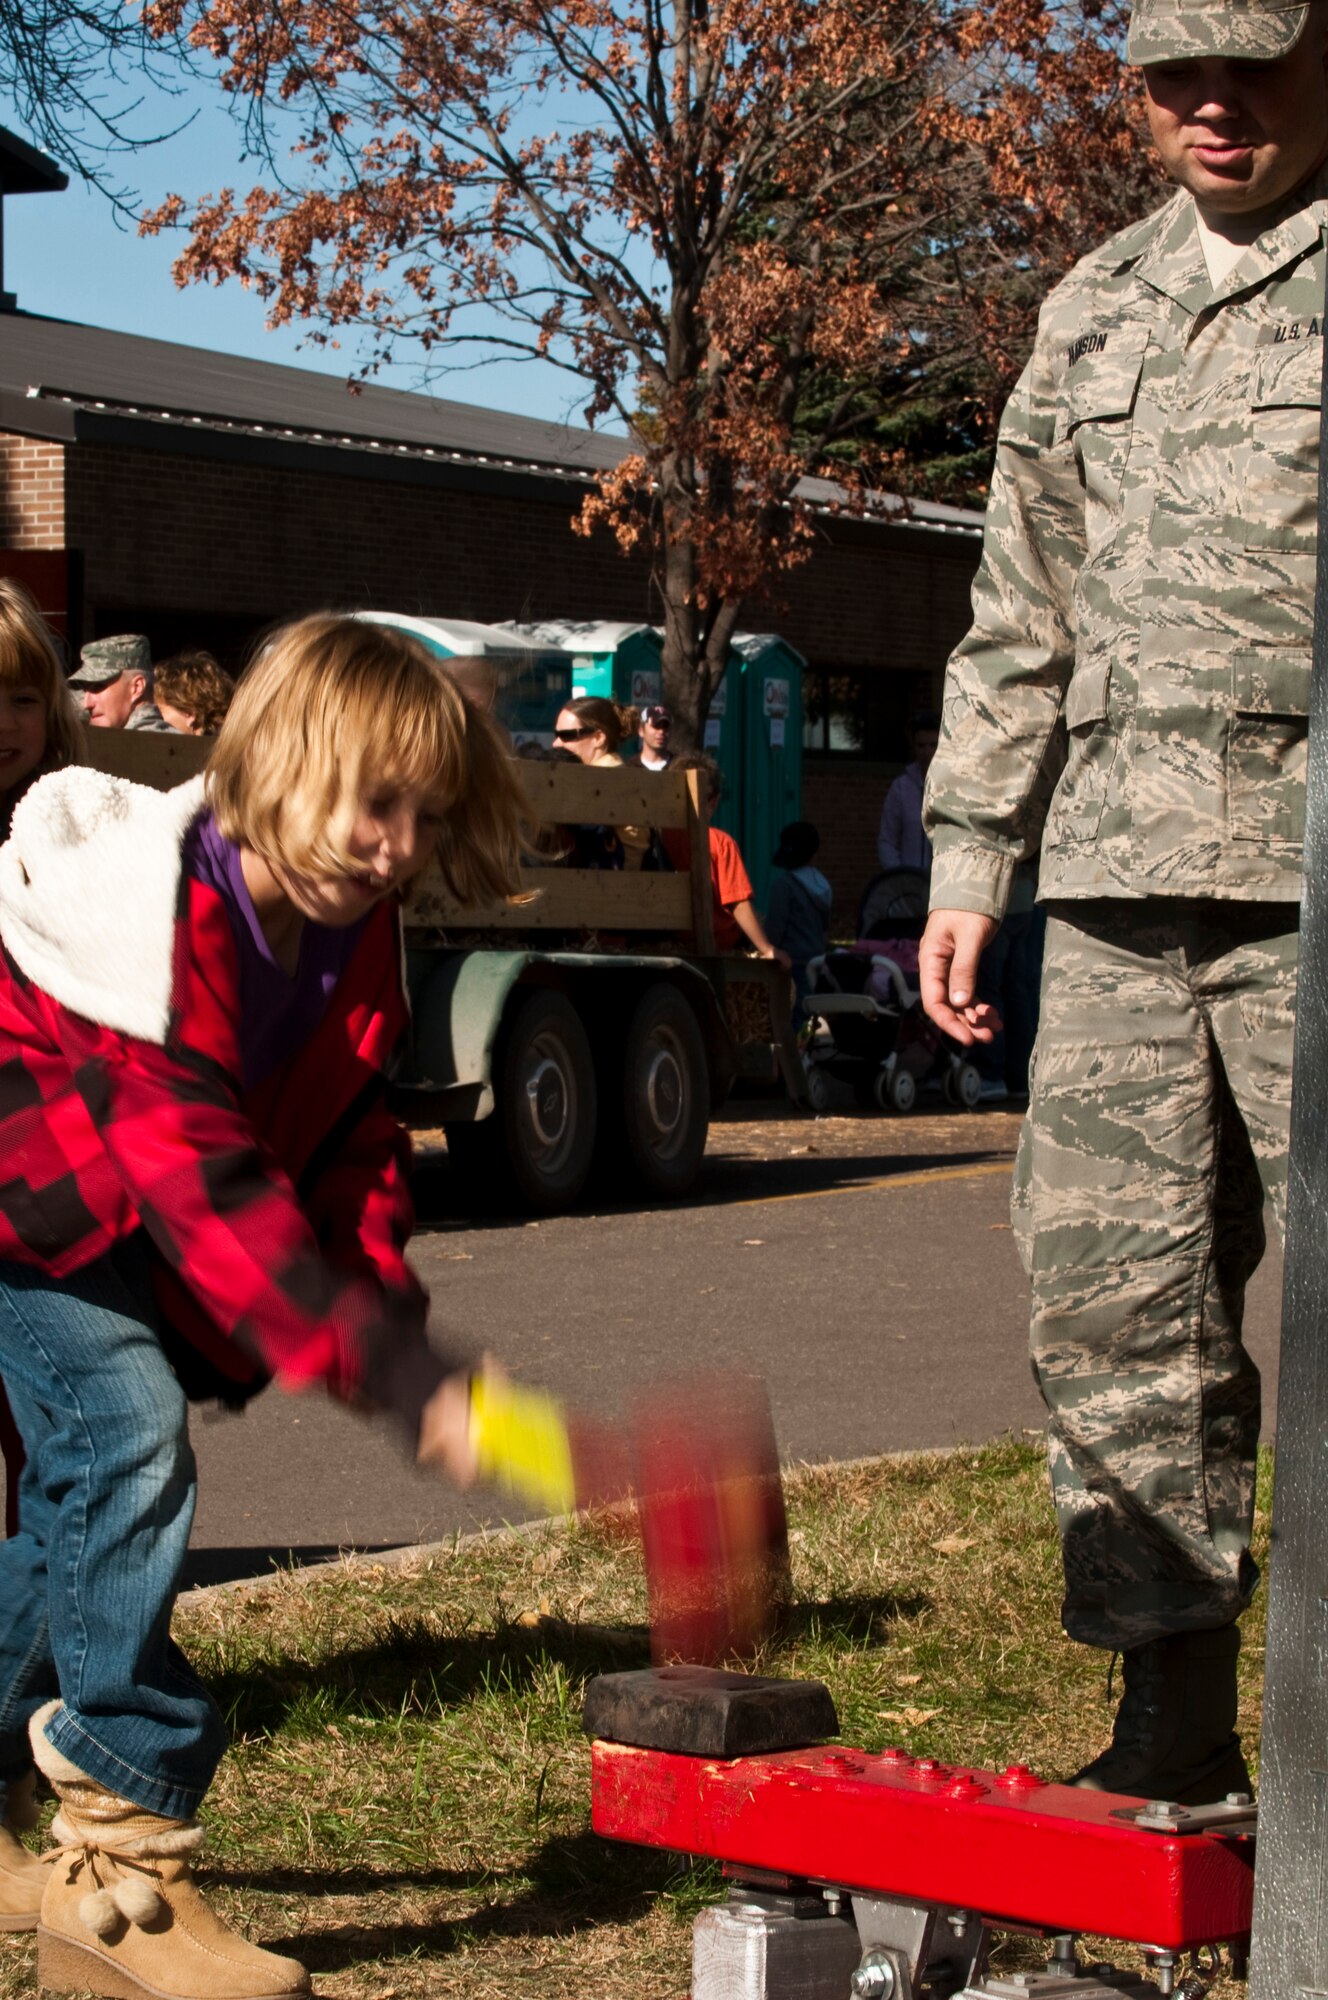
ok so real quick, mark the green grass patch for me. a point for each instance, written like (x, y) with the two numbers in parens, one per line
(405, 1806)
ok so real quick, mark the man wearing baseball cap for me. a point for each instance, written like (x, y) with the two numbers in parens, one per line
(656, 728)
(1130, 707)
(114, 682)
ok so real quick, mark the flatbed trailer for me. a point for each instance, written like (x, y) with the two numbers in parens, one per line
(590, 1026)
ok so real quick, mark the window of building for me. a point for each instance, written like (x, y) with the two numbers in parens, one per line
(834, 714)
(860, 714)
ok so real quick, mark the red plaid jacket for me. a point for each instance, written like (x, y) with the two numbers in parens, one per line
(278, 1216)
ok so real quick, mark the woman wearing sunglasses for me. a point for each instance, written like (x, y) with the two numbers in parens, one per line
(593, 728)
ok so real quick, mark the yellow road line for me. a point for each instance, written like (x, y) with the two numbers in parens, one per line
(890, 1181)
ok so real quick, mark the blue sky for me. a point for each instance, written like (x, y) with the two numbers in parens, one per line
(67, 255)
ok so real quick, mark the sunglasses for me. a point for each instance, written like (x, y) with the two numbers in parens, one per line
(571, 735)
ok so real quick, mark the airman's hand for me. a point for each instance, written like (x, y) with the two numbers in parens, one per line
(948, 955)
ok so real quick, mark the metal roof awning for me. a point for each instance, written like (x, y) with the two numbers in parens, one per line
(23, 170)
(76, 384)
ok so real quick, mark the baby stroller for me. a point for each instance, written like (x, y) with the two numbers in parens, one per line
(868, 1026)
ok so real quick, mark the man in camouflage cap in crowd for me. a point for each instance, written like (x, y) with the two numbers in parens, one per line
(114, 679)
(1130, 706)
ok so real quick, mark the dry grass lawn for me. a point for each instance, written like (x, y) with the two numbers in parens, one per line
(405, 1806)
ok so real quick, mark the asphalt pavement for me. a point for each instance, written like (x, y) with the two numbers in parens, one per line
(862, 1265)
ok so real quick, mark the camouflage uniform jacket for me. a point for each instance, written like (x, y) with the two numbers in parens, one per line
(1132, 696)
(146, 715)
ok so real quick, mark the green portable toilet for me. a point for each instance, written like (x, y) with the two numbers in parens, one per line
(754, 733)
(617, 661)
(769, 693)
(530, 682)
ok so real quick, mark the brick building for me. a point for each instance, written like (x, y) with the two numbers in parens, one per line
(198, 497)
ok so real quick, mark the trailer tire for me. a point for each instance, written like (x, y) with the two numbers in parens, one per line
(538, 1143)
(665, 1093)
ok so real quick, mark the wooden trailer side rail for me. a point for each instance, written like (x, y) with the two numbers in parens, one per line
(556, 898)
(145, 756)
(592, 899)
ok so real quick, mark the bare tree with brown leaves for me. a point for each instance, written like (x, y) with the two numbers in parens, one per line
(91, 85)
(699, 208)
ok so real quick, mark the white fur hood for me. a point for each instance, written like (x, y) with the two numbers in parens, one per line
(89, 889)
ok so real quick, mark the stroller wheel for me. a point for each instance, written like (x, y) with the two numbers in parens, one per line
(818, 1088)
(896, 1089)
(963, 1086)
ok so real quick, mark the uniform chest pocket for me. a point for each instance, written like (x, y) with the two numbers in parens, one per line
(1268, 747)
(1279, 495)
(1097, 418)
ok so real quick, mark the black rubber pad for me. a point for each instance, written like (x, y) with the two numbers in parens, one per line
(705, 1712)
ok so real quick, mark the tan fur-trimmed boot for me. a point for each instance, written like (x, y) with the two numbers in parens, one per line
(122, 1914)
(23, 1876)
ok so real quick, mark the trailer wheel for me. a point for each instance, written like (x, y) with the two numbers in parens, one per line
(547, 1102)
(539, 1141)
(666, 1092)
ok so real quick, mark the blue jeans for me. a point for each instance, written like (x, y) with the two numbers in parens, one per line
(88, 1583)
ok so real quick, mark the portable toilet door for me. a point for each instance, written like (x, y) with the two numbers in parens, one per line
(771, 700)
(638, 671)
(592, 673)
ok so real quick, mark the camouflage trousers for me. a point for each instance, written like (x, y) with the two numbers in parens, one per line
(1157, 1125)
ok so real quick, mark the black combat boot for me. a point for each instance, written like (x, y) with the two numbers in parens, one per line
(1175, 1734)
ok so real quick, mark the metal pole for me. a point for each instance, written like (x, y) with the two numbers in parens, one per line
(1289, 1957)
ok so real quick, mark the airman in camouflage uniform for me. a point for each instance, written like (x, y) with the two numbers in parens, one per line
(1130, 705)
(114, 680)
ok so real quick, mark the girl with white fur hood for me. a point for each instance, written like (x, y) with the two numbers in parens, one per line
(202, 1188)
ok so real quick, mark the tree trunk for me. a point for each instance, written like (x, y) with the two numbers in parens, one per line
(696, 640)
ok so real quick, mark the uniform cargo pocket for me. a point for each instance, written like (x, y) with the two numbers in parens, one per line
(1097, 416)
(1267, 748)
(1079, 798)
(1279, 496)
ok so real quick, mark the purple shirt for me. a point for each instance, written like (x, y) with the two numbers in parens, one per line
(901, 841)
(278, 1013)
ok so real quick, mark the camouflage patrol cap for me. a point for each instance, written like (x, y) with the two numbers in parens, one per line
(105, 660)
(1176, 30)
